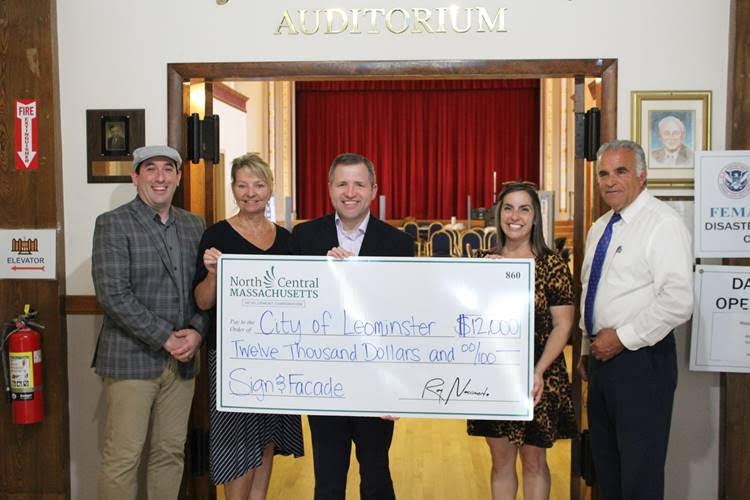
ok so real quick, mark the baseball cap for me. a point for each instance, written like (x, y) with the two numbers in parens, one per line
(146, 152)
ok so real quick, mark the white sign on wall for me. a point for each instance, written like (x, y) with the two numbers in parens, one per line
(720, 340)
(424, 337)
(27, 254)
(722, 204)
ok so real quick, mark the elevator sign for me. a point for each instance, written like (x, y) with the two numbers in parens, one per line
(28, 254)
(27, 136)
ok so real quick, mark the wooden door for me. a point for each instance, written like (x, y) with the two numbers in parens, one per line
(196, 195)
(584, 207)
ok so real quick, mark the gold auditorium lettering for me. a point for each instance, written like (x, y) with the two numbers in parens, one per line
(355, 22)
(454, 20)
(441, 19)
(286, 22)
(406, 19)
(422, 19)
(396, 21)
(484, 19)
(373, 19)
(344, 19)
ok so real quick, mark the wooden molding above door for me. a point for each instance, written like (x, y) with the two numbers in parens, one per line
(180, 73)
(606, 69)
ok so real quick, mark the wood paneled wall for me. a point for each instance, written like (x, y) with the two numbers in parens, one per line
(34, 459)
(734, 466)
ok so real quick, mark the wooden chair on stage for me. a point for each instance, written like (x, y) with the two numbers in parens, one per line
(455, 235)
(412, 229)
(489, 241)
(470, 240)
(434, 227)
(441, 244)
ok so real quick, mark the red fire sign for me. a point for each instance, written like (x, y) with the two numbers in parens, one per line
(27, 136)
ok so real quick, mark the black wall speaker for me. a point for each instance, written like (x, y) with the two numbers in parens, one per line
(580, 135)
(591, 141)
(203, 138)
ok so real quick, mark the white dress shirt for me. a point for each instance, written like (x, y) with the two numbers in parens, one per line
(351, 240)
(646, 286)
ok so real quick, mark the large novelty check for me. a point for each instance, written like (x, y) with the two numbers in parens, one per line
(427, 337)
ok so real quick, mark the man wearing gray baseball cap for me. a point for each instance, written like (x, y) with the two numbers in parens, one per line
(143, 262)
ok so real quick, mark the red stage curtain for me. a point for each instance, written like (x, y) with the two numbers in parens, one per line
(433, 142)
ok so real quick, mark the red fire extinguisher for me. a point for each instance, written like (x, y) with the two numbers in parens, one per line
(21, 353)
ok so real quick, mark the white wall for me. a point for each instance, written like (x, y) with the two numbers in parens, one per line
(689, 52)
(257, 116)
(666, 45)
(233, 143)
(86, 406)
(692, 470)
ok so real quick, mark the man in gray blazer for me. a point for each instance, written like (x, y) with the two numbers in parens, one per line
(143, 261)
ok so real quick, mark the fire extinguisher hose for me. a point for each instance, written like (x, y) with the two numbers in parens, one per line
(8, 330)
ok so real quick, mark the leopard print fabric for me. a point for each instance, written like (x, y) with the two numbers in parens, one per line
(554, 417)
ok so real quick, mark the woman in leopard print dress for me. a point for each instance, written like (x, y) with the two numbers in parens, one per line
(519, 223)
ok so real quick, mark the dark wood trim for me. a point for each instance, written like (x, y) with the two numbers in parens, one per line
(176, 124)
(606, 69)
(579, 183)
(208, 167)
(179, 74)
(35, 458)
(81, 304)
(340, 70)
(177, 128)
(230, 97)
(608, 130)
(734, 426)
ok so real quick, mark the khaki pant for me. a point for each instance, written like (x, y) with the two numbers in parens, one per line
(135, 407)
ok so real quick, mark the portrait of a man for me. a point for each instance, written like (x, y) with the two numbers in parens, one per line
(671, 140)
(115, 136)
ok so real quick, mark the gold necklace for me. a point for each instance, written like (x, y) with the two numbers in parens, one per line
(264, 226)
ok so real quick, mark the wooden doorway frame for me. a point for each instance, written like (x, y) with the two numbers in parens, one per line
(606, 69)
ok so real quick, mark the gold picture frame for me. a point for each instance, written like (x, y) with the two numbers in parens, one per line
(671, 126)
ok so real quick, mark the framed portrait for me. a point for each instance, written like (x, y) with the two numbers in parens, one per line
(115, 133)
(671, 126)
(111, 137)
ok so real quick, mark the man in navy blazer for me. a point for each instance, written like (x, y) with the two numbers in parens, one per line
(143, 262)
(351, 231)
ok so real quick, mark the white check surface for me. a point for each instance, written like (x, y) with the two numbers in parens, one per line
(426, 337)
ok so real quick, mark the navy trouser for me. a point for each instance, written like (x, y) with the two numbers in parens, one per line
(332, 445)
(630, 412)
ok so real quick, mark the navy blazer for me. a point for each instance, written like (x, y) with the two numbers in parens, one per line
(316, 237)
(136, 287)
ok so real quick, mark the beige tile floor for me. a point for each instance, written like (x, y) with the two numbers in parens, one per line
(431, 459)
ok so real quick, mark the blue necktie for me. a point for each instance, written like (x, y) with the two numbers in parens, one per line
(596, 272)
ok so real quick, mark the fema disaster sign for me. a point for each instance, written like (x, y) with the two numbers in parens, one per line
(376, 336)
(722, 204)
(720, 340)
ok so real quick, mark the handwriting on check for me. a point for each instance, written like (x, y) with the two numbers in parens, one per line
(272, 322)
(437, 387)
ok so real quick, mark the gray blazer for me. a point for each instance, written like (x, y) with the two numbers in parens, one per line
(139, 293)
